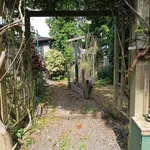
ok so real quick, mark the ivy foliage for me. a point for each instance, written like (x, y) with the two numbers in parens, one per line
(73, 4)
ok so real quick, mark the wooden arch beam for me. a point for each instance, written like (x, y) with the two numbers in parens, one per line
(68, 13)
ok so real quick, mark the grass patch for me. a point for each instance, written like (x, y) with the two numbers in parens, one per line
(28, 141)
(65, 143)
(83, 146)
(86, 109)
(102, 82)
(41, 123)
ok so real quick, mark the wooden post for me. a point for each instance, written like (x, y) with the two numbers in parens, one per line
(116, 54)
(83, 78)
(139, 80)
(139, 77)
(140, 90)
(69, 82)
(123, 69)
(129, 59)
(29, 61)
(76, 60)
(75, 45)
(3, 100)
(86, 89)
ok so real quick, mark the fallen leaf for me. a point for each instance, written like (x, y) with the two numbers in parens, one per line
(79, 126)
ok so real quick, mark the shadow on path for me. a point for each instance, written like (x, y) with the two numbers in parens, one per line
(75, 124)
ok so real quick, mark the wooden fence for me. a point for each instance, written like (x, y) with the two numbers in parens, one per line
(121, 64)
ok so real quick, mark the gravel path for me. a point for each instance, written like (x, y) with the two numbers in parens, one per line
(75, 124)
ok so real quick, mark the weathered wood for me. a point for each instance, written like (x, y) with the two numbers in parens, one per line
(139, 80)
(5, 138)
(123, 69)
(3, 100)
(2, 57)
(69, 82)
(86, 89)
(83, 77)
(116, 66)
(75, 45)
(76, 61)
(76, 38)
(140, 101)
(139, 75)
(122, 112)
(69, 13)
(77, 89)
(29, 60)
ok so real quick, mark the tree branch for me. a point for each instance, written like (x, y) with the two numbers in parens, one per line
(137, 14)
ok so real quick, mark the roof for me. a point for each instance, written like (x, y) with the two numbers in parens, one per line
(42, 39)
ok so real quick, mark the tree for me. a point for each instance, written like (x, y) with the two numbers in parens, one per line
(62, 29)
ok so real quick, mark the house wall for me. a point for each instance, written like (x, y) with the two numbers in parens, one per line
(46, 48)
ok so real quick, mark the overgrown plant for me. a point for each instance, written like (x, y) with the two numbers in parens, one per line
(40, 91)
(105, 74)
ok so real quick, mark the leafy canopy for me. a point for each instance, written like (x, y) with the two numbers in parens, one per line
(74, 4)
(62, 29)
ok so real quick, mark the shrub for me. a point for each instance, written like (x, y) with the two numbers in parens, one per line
(106, 73)
(55, 61)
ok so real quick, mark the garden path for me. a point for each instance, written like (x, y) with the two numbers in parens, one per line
(74, 123)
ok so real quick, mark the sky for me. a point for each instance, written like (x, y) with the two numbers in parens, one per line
(40, 25)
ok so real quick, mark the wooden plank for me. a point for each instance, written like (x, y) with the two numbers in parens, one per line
(77, 89)
(68, 13)
(2, 57)
(122, 112)
(76, 38)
